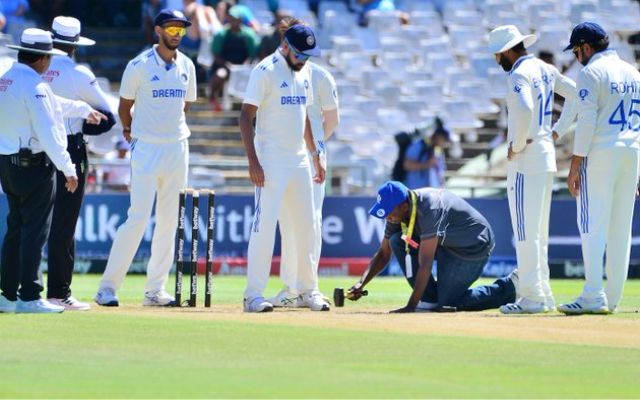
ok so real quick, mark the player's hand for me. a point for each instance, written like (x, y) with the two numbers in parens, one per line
(355, 292)
(511, 153)
(319, 168)
(95, 117)
(573, 181)
(72, 183)
(127, 136)
(404, 310)
(555, 136)
(256, 173)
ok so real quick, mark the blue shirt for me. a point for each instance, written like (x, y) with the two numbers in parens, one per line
(418, 151)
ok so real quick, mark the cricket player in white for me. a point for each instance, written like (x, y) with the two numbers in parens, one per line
(532, 162)
(604, 168)
(323, 116)
(161, 82)
(277, 95)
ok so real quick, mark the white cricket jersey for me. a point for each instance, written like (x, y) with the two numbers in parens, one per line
(325, 95)
(75, 82)
(609, 105)
(160, 91)
(531, 85)
(31, 117)
(282, 97)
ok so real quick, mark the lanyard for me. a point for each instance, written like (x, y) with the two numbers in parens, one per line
(407, 232)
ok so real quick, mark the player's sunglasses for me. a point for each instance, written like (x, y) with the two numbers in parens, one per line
(298, 55)
(176, 30)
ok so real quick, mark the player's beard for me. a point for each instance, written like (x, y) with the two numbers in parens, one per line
(167, 43)
(505, 64)
(295, 67)
(584, 59)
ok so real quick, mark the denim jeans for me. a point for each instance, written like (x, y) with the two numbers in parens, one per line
(455, 276)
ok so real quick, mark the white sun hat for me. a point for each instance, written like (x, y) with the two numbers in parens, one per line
(66, 30)
(36, 40)
(505, 37)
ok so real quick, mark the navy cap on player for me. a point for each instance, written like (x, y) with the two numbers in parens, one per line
(302, 38)
(586, 32)
(390, 195)
(167, 15)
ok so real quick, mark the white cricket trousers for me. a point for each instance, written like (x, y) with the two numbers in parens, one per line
(288, 258)
(285, 188)
(529, 197)
(158, 171)
(605, 202)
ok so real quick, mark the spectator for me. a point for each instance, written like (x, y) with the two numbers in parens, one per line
(3, 21)
(150, 8)
(117, 175)
(197, 42)
(14, 11)
(425, 161)
(380, 5)
(271, 42)
(235, 44)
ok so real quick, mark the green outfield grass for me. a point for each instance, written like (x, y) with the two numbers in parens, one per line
(142, 353)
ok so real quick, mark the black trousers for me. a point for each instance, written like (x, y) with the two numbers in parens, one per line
(61, 247)
(30, 192)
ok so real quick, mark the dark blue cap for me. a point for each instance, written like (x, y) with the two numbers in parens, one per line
(302, 38)
(586, 32)
(168, 15)
(390, 195)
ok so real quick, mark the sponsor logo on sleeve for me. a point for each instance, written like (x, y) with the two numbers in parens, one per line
(517, 88)
(583, 93)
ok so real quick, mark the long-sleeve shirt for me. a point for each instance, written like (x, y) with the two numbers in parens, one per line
(609, 105)
(75, 82)
(32, 117)
(532, 83)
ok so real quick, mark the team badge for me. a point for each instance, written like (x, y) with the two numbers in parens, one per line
(178, 14)
(380, 213)
(311, 41)
(583, 93)
(306, 84)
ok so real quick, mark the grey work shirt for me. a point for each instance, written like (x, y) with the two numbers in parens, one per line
(460, 228)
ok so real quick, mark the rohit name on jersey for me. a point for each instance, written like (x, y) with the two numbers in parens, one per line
(293, 100)
(169, 93)
(625, 87)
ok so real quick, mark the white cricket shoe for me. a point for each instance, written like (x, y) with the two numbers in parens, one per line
(6, 305)
(284, 298)
(524, 306)
(70, 304)
(159, 298)
(313, 300)
(40, 306)
(583, 305)
(257, 305)
(107, 297)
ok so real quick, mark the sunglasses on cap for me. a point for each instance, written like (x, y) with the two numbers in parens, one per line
(298, 55)
(176, 30)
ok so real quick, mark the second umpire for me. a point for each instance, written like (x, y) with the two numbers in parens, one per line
(75, 82)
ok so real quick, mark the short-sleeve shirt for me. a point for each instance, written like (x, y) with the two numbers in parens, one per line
(325, 95)
(459, 227)
(160, 91)
(282, 96)
(418, 151)
(75, 82)
(236, 47)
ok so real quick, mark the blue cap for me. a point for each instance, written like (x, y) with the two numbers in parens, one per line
(302, 38)
(390, 195)
(168, 15)
(586, 32)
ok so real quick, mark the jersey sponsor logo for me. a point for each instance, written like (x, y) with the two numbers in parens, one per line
(625, 87)
(41, 96)
(169, 93)
(335, 94)
(284, 85)
(293, 100)
(306, 84)
(517, 88)
(50, 75)
(155, 78)
(184, 77)
(93, 82)
(583, 93)
(5, 83)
